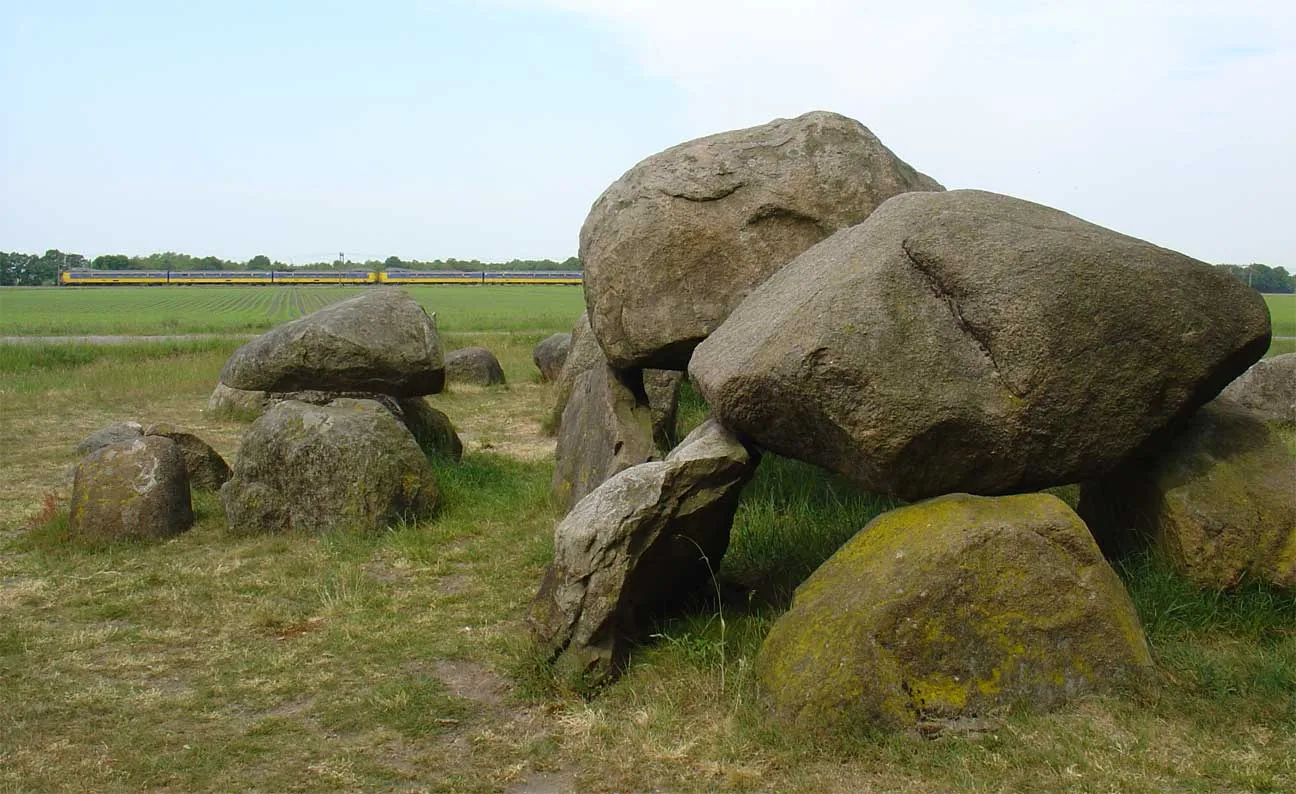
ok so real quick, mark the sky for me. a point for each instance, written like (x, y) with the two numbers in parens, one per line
(485, 130)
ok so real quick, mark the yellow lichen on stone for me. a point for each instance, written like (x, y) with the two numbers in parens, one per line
(949, 607)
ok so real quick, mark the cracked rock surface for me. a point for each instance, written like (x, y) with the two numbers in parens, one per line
(968, 341)
(677, 242)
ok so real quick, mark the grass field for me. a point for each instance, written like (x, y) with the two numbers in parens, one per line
(397, 661)
(243, 309)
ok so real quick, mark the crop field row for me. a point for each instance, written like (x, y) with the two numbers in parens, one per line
(252, 309)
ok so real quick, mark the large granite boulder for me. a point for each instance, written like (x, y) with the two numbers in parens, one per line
(432, 429)
(679, 240)
(1219, 501)
(381, 341)
(349, 465)
(550, 355)
(606, 428)
(473, 366)
(207, 470)
(952, 608)
(110, 434)
(648, 536)
(967, 341)
(1267, 389)
(131, 489)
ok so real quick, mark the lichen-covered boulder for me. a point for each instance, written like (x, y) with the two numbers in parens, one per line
(1218, 500)
(951, 608)
(349, 465)
(207, 470)
(473, 366)
(648, 536)
(431, 428)
(550, 355)
(112, 434)
(606, 428)
(131, 489)
(679, 240)
(381, 341)
(967, 341)
(1267, 389)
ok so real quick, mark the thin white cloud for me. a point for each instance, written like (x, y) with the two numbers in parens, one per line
(1167, 120)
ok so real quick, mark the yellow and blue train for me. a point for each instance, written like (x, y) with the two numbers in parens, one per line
(148, 278)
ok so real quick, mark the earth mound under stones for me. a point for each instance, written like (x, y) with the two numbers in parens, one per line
(134, 489)
(950, 608)
(677, 242)
(349, 465)
(649, 535)
(381, 341)
(968, 341)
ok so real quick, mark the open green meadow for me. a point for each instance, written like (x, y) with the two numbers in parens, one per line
(398, 661)
(84, 311)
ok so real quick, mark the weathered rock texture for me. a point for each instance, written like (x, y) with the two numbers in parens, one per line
(131, 489)
(240, 403)
(606, 428)
(952, 608)
(967, 341)
(473, 366)
(583, 355)
(206, 469)
(431, 428)
(381, 341)
(550, 355)
(650, 535)
(679, 240)
(112, 434)
(661, 387)
(1219, 501)
(1268, 389)
(348, 465)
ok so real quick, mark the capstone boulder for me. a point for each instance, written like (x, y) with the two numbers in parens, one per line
(381, 341)
(967, 341)
(679, 240)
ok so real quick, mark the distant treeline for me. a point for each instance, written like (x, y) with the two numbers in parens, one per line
(1263, 278)
(31, 270)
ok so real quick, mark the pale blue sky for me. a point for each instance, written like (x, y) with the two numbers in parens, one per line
(485, 130)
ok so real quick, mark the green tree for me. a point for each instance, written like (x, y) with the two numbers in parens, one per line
(259, 262)
(112, 262)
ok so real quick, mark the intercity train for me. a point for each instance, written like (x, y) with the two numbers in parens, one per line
(148, 278)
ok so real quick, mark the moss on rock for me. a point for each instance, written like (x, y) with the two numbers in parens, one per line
(952, 607)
